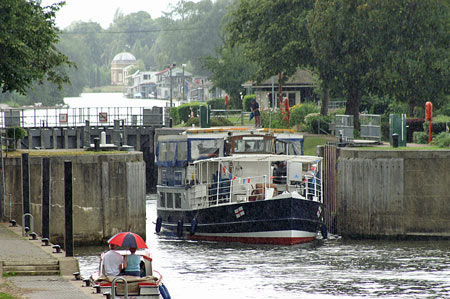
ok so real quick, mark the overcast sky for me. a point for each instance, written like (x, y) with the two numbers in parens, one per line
(102, 11)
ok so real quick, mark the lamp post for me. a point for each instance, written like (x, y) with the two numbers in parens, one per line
(170, 74)
(183, 83)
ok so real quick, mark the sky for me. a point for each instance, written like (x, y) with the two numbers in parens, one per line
(102, 11)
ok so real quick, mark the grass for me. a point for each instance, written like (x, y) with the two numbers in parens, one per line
(311, 142)
(6, 296)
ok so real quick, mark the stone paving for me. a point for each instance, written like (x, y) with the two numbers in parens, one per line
(14, 247)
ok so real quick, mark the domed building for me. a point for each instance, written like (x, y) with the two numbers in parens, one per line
(120, 66)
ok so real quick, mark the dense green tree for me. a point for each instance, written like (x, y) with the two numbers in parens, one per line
(339, 39)
(273, 35)
(410, 50)
(28, 36)
(230, 69)
(397, 49)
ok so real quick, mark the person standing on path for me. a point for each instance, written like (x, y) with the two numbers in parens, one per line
(112, 262)
(254, 106)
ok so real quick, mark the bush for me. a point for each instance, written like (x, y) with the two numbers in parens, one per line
(182, 113)
(217, 103)
(420, 137)
(441, 140)
(298, 112)
(413, 125)
(215, 122)
(247, 100)
(220, 122)
(438, 125)
(314, 121)
(16, 133)
(271, 119)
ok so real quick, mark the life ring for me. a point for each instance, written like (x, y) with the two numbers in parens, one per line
(158, 224)
(180, 228)
(193, 226)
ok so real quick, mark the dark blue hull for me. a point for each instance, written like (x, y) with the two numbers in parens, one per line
(276, 221)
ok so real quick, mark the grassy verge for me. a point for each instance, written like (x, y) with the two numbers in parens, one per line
(311, 142)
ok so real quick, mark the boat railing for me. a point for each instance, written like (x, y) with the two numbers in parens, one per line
(245, 189)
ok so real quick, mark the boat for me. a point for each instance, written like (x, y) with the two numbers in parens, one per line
(148, 286)
(238, 186)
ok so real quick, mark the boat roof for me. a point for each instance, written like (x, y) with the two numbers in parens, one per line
(264, 158)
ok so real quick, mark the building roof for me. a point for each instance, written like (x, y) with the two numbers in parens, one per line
(124, 57)
(301, 77)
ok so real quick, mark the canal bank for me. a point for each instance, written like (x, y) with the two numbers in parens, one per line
(382, 193)
(107, 193)
(25, 270)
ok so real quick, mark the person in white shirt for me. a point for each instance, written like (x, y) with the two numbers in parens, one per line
(112, 262)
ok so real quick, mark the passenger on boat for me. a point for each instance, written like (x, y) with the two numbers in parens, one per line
(112, 262)
(131, 264)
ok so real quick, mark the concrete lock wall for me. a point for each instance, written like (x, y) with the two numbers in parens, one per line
(393, 193)
(108, 193)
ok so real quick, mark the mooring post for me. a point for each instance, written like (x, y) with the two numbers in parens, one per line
(68, 208)
(25, 188)
(46, 198)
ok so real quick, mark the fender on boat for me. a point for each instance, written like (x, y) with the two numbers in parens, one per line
(164, 291)
(158, 224)
(323, 231)
(193, 226)
(180, 228)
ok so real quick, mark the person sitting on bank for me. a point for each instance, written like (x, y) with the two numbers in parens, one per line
(131, 264)
(112, 262)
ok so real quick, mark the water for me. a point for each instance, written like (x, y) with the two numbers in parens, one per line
(333, 268)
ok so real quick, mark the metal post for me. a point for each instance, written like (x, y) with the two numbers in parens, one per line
(68, 208)
(3, 180)
(170, 74)
(25, 187)
(182, 85)
(46, 198)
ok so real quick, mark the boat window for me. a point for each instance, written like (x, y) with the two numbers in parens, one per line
(206, 148)
(162, 151)
(178, 177)
(182, 154)
(177, 200)
(171, 150)
(253, 146)
(162, 199)
(280, 148)
(169, 200)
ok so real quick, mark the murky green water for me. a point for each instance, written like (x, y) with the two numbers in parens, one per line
(333, 268)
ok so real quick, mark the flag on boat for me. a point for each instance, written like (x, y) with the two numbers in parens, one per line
(239, 212)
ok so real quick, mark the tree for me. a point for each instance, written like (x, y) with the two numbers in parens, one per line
(338, 32)
(273, 35)
(27, 45)
(410, 50)
(229, 70)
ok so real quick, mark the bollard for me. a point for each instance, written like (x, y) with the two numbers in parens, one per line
(96, 144)
(395, 140)
(57, 249)
(87, 282)
(45, 242)
(13, 222)
(26, 229)
(33, 236)
(76, 275)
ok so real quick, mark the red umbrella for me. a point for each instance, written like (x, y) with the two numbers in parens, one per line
(128, 239)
